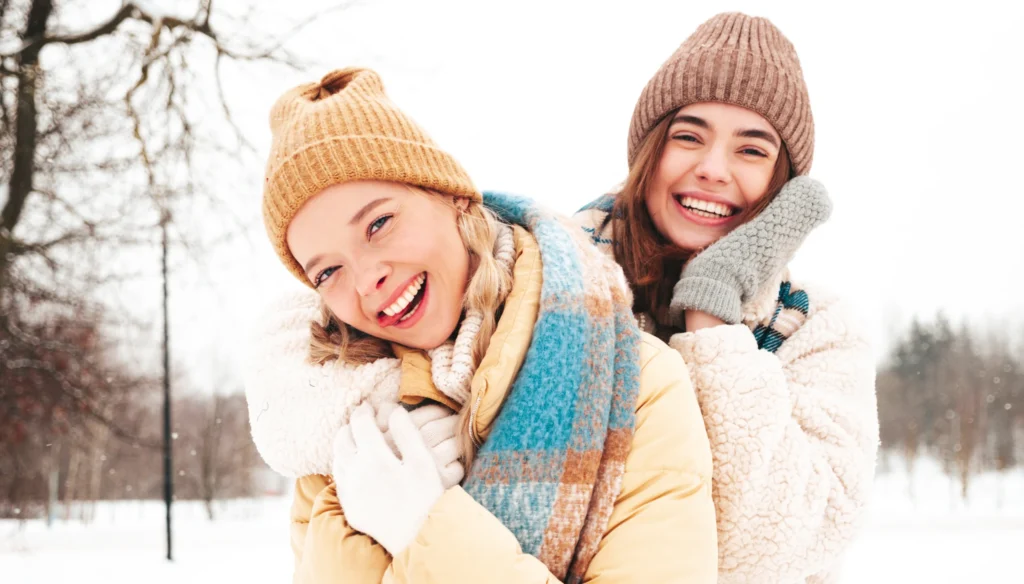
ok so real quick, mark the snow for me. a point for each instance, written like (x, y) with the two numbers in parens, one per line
(125, 544)
(932, 537)
(935, 537)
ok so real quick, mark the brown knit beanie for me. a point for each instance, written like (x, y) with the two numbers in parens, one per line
(737, 59)
(344, 129)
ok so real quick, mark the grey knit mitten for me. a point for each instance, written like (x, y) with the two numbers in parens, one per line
(732, 270)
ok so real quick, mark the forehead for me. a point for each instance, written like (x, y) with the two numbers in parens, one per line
(728, 116)
(325, 217)
(350, 197)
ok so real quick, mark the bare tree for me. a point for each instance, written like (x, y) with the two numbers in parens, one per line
(57, 397)
(101, 136)
(215, 453)
(105, 127)
(950, 395)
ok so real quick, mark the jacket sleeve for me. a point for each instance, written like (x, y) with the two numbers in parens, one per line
(326, 547)
(662, 526)
(296, 407)
(794, 437)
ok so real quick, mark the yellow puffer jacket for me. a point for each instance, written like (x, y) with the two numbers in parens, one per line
(662, 527)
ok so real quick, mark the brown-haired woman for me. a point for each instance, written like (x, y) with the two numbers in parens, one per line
(714, 207)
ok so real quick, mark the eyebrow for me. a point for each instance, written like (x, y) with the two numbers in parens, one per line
(367, 208)
(766, 136)
(694, 120)
(751, 133)
(312, 262)
(355, 219)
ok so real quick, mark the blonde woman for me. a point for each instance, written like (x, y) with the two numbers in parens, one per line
(577, 453)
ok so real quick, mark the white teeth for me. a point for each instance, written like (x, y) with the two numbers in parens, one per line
(706, 208)
(412, 312)
(406, 297)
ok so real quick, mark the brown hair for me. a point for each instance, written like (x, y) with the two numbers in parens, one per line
(651, 262)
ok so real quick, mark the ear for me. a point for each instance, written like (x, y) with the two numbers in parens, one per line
(461, 203)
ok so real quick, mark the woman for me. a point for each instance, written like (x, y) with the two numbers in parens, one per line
(714, 207)
(587, 457)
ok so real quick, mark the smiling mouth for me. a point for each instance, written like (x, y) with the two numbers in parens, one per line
(406, 305)
(708, 209)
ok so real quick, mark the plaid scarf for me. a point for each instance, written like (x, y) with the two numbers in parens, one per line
(791, 307)
(552, 466)
(790, 312)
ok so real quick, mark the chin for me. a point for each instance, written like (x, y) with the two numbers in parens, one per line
(693, 242)
(691, 245)
(431, 339)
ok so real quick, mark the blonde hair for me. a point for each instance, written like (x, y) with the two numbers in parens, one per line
(487, 289)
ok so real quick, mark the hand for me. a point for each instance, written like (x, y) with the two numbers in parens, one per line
(733, 269)
(437, 425)
(385, 497)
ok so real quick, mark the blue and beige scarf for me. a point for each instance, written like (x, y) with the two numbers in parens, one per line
(552, 466)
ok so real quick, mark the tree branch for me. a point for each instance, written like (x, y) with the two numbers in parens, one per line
(128, 11)
(224, 105)
(77, 395)
(284, 38)
(28, 339)
(41, 248)
(5, 116)
(204, 12)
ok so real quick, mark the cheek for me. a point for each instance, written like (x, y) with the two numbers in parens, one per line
(344, 305)
(674, 165)
(452, 256)
(441, 251)
(754, 183)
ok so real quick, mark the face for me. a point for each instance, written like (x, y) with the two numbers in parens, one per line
(717, 163)
(387, 260)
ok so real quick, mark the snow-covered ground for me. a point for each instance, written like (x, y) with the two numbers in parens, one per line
(932, 537)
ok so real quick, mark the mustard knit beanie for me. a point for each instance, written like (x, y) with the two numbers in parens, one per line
(344, 129)
(740, 60)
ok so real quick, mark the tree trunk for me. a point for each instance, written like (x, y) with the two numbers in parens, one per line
(26, 130)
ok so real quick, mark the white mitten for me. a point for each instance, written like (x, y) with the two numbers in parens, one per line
(385, 497)
(437, 425)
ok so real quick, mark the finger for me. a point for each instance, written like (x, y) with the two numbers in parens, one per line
(428, 413)
(391, 443)
(452, 474)
(446, 452)
(383, 413)
(438, 431)
(367, 436)
(413, 449)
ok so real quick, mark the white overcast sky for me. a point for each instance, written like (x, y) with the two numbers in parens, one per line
(918, 115)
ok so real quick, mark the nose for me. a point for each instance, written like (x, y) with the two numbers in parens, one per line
(714, 166)
(372, 278)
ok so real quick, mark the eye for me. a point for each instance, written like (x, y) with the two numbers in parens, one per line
(686, 138)
(324, 275)
(754, 152)
(378, 224)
